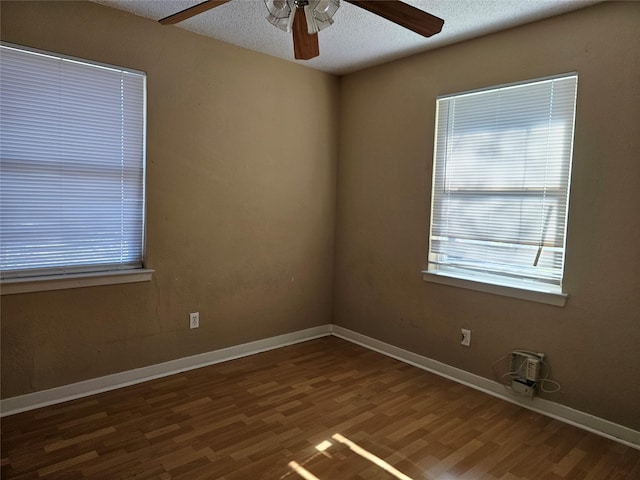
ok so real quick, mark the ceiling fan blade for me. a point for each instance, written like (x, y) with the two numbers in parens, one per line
(191, 11)
(305, 44)
(404, 15)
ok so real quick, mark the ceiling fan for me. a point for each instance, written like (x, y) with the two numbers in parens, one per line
(305, 18)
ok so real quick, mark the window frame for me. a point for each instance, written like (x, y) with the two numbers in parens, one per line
(70, 276)
(491, 282)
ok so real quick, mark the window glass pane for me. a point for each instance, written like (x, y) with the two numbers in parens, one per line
(72, 165)
(502, 166)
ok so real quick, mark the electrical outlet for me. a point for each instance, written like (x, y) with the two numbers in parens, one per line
(194, 320)
(533, 368)
(466, 337)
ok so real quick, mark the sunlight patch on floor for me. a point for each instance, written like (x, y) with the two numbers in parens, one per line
(323, 448)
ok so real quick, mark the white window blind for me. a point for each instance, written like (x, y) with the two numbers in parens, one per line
(502, 167)
(71, 165)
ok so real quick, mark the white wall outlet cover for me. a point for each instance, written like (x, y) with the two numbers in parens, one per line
(194, 320)
(465, 337)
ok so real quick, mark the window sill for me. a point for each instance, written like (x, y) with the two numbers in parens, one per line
(78, 280)
(557, 299)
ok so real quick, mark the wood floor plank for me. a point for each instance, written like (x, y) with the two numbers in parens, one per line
(69, 462)
(255, 417)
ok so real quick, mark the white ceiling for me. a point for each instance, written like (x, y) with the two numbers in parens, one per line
(358, 39)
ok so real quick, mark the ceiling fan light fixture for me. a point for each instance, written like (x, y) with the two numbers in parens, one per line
(325, 9)
(318, 13)
(280, 13)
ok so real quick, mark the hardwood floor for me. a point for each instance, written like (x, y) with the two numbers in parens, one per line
(324, 409)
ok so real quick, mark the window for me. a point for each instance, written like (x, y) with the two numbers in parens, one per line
(502, 167)
(72, 165)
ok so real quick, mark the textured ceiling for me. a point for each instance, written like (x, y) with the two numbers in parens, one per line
(358, 39)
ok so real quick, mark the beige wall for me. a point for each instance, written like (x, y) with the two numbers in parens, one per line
(384, 176)
(241, 203)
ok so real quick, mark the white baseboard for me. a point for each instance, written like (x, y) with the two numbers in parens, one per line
(30, 401)
(560, 412)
